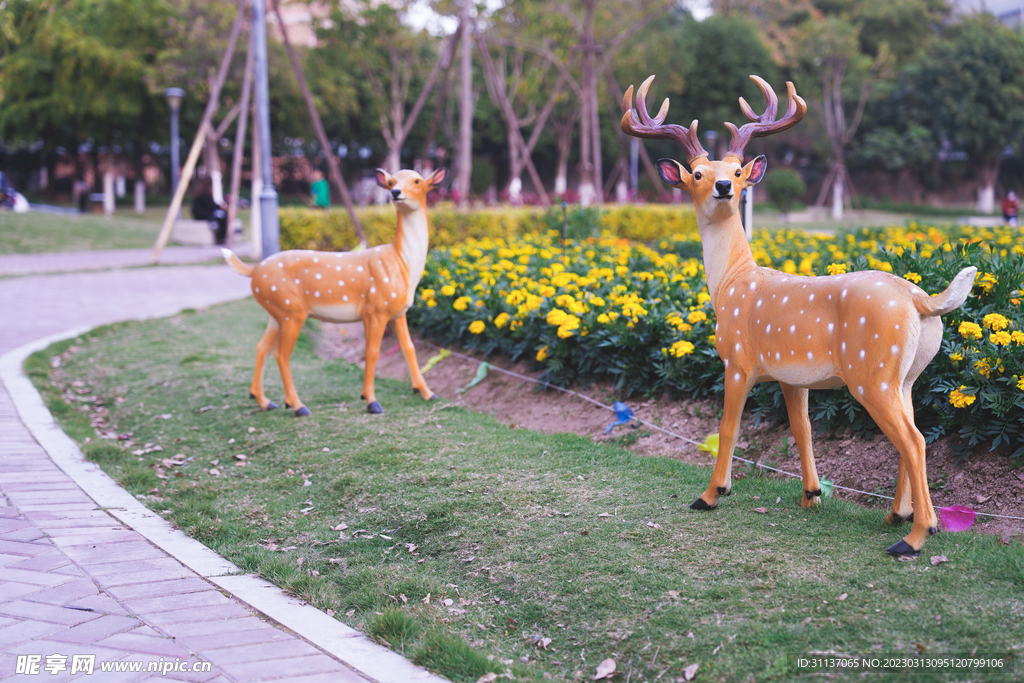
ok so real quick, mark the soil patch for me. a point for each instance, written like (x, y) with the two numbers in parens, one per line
(986, 482)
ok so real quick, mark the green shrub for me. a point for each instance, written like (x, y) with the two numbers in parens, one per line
(785, 187)
(303, 228)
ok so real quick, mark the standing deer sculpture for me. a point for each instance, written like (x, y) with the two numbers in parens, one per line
(870, 331)
(376, 286)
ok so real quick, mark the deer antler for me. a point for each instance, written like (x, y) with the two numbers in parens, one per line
(654, 128)
(765, 124)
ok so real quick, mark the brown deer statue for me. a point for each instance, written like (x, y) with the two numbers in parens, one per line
(871, 331)
(376, 286)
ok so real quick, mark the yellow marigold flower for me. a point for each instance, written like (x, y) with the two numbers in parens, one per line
(461, 303)
(547, 291)
(960, 399)
(603, 319)
(542, 354)
(1017, 337)
(789, 267)
(427, 294)
(913, 277)
(956, 357)
(501, 320)
(986, 281)
(596, 301)
(983, 368)
(836, 268)
(556, 316)
(1000, 338)
(969, 330)
(515, 298)
(477, 326)
(431, 303)
(1020, 384)
(565, 300)
(995, 322)
(696, 317)
(681, 348)
(711, 338)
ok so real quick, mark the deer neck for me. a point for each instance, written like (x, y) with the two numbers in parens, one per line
(726, 251)
(411, 238)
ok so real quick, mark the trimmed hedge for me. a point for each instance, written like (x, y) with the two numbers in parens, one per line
(331, 230)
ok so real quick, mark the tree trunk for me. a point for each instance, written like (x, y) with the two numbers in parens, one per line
(989, 173)
(837, 195)
(465, 161)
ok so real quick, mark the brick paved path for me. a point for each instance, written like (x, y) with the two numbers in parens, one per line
(59, 262)
(74, 580)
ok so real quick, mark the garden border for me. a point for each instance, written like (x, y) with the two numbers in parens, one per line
(346, 644)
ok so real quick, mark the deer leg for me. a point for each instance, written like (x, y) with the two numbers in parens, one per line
(374, 329)
(902, 509)
(896, 420)
(401, 327)
(286, 342)
(800, 424)
(265, 345)
(736, 390)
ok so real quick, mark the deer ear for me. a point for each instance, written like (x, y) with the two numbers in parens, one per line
(673, 173)
(385, 179)
(755, 170)
(438, 177)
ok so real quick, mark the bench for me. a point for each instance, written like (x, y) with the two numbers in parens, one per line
(192, 233)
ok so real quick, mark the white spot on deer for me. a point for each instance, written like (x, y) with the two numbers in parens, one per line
(337, 267)
(344, 297)
(273, 288)
(778, 356)
(830, 297)
(808, 336)
(386, 279)
(316, 294)
(792, 329)
(792, 353)
(287, 302)
(785, 299)
(753, 286)
(831, 326)
(878, 284)
(316, 260)
(897, 327)
(341, 283)
(895, 349)
(737, 348)
(768, 330)
(732, 290)
(892, 303)
(736, 313)
(810, 356)
(264, 276)
(863, 320)
(860, 390)
(844, 347)
(736, 377)
(881, 365)
(843, 295)
(885, 386)
(359, 268)
(876, 336)
(773, 296)
(393, 295)
(862, 354)
(257, 290)
(306, 271)
(318, 276)
(280, 264)
(817, 320)
(759, 303)
(726, 361)
(373, 290)
(810, 298)
(801, 311)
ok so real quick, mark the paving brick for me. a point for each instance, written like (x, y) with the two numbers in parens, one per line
(212, 628)
(10, 524)
(209, 642)
(167, 603)
(65, 593)
(112, 552)
(231, 610)
(36, 485)
(172, 570)
(153, 589)
(6, 560)
(44, 562)
(25, 535)
(97, 629)
(34, 577)
(296, 666)
(39, 612)
(23, 548)
(24, 631)
(339, 675)
(101, 603)
(133, 642)
(261, 652)
(136, 567)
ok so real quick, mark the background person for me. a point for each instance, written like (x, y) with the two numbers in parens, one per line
(204, 208)
(1011, 205)
(320, 190)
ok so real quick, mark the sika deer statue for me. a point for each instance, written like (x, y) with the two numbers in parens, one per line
(870, 331)
(376, 286)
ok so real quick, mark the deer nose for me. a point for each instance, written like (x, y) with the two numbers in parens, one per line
(723, 188)
(396, 193)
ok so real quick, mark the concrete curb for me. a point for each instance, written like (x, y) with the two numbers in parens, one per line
(346, 644)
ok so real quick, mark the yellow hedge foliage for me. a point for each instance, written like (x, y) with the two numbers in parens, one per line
(331, 230)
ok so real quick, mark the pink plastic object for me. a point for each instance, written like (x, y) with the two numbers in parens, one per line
(956, 518)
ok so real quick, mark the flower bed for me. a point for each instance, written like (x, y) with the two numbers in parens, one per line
(332, 230)
(612, 310)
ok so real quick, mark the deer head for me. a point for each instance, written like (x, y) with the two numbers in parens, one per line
(409, 189)
(714, 185)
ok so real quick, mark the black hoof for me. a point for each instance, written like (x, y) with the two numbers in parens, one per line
(270, 405)
(699, 504)
(811, 494)
(435, 397)
(287, 405)
(900, 519)
(375, 408)
(932, 530)
(362, 396)
(722, 491)
(303, 412)
(252, 395)
(902, 548)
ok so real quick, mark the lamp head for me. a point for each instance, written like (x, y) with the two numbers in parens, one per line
(174, 96)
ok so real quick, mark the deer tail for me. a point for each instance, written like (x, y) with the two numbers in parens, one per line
(952, 298)
(236, 263)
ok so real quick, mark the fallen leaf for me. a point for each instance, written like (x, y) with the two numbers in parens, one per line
(762, 511)
(939, 559)
(448, 602)
(330, 612)
(604, 514)
(488, 678)
(241, 456)
(401, 596)
(307, 482)
(605, 669)
(341, 527)
(300, 561)
(690, 672)
(842, 597)
(350, 613)
(979, 499)
(1005, 540)
(715, 651)
(252, 429)
(214, 471)
(689, 634)
(654, 525)
(673, 594)
(386, 537)
(543, 643)
(411, 547)
(426, 600)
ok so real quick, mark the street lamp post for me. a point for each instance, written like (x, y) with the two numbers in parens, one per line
(174, 96)
(268, 195)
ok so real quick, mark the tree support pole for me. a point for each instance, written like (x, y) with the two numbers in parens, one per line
(236, 160)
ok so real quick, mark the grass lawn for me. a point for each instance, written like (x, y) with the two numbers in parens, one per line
(461, 542)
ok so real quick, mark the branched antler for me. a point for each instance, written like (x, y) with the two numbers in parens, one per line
(654, 128)
(765, 124)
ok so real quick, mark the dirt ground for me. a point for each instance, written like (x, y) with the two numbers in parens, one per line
(985, 483)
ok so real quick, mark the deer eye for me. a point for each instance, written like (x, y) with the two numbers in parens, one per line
(697, 176)
(417, 182)
(738, 173)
